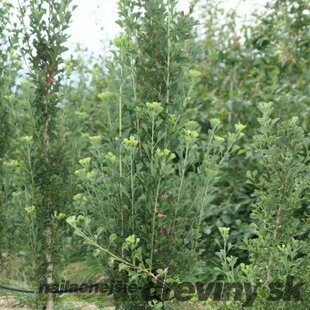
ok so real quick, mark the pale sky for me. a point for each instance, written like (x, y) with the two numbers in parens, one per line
(91, 15)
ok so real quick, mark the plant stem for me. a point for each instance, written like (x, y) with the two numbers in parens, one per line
(117, 258)
(168, 58)
(132, 196)
(154, 220)
(204, 196)
(179, 189)
(120, 107)
(152, 144)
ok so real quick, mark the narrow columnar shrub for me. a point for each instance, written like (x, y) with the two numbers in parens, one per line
(44, 36)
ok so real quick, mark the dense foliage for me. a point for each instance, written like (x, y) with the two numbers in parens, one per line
(182, 156)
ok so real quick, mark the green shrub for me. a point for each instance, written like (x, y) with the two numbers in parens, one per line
(148, 184)
(281, 248)
(42, 152)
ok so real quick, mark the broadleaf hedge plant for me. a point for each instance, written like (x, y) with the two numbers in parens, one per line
(41, 183)
(280, 253)
(148, 183)
(278, 249)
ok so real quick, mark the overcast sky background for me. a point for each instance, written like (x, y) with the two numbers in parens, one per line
(91, 15)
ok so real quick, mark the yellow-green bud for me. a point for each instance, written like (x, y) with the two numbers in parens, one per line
(156, 106)
(194, 73)
(11, 163)
(219, 139)
(131, 142)
(79, 196)
(71, 220)
(26, 138)
(138, 109)
(190, 135)
(30, 209)
(110, 157)
(94, 138)
(224, 230)
(215, 122)
(132, 239)
(85, 161)
(121, 40)
(80, 114)
(239, 127)
(104, 95)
